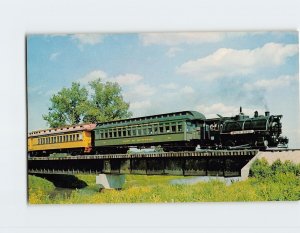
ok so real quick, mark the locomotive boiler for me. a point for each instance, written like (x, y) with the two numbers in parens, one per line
(259, 131)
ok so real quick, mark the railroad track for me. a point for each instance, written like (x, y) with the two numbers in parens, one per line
(205, 153)
(280, 149)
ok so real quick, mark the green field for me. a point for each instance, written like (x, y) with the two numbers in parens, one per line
(277, 182)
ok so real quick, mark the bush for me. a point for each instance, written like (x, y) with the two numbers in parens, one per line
(260, 169)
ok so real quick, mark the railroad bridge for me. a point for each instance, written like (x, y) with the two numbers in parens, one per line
(113, 167)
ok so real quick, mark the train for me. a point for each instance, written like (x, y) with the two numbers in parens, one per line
(175, 131)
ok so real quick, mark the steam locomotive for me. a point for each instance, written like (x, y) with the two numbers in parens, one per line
(242, 131)
(176, 131)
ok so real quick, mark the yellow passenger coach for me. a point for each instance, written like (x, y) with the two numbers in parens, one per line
(75, 139)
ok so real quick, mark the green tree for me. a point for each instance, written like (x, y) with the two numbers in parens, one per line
(67, 106)
(75, 105)
(106, 103)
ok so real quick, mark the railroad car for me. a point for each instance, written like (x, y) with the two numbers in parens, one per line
(172, 131)
(177, 131)
(75, 139)
(259, 131)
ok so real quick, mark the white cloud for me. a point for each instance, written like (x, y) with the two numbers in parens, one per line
(169, 86)
(210, 111)
(175, 38)
(94, 75)
(231, 62)
(270, 84)
(127, 79)
(90, 39)
(173, 51)
(123, 79)
(139, 91)
(187, 90)
(138, 105)
(181, 38)
(53, 56)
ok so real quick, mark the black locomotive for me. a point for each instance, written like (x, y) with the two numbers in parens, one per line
(242, 131)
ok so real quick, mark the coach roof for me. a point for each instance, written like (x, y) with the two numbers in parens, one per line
(173, 116)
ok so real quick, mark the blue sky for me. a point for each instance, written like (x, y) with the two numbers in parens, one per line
(211, 72)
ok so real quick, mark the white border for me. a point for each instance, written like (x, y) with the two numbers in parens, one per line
(17, 18)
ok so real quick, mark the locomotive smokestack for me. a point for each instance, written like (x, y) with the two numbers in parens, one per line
(240, 109)
(267, 113)
(256, 114)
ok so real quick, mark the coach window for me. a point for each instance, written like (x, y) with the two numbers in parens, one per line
(115, 133)
(155, 129)
(106, 134)
(150, 130)
(110, 133)
(54, 140)
(144, 130)
(139, 130)
(173, 127)
(134, 131)
(167, 126)
(128, 132)
(179, 127)
(161, 129)
(188, 126)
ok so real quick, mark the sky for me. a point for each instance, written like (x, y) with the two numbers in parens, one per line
(210, 72)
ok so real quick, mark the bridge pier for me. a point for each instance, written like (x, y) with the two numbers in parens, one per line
(110, 181)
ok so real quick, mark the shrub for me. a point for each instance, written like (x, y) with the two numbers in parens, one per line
(260, 169)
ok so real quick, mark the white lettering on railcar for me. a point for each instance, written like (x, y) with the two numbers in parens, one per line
(242, 132)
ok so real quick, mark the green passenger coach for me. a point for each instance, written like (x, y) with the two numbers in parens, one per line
(172, 131)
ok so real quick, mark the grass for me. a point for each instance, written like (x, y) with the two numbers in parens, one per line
(277, 182)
